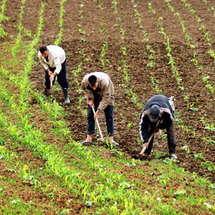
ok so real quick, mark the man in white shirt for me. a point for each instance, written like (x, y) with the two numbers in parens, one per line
(53, 60)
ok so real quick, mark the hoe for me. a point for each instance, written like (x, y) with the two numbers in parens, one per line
(150, 138)
(100, 131)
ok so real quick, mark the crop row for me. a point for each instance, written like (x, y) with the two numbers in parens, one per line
(112, 191)
(3, 18)
(194, 60)
(176, 73)
(34, 139)
(208, 39)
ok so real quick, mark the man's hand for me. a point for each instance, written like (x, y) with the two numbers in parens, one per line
(146, 145)
(91, 103)
(96, 115)
(49, 72)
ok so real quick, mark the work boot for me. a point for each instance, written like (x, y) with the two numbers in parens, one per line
(47, 92)
(173, 156)
(65, 93)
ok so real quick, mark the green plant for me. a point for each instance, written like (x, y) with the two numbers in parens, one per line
(198, 157)
(60, 34)
(159, 154)
(209, 165)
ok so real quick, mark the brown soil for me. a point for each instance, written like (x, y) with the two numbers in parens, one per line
(137, 58)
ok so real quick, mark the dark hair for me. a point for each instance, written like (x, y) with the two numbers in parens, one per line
(43, 49)
(92, 80)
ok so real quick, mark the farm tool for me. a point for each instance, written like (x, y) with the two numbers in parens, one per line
(51, 80)
(150, 138)
(97, 122)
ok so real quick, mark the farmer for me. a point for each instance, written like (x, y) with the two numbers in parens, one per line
(158, 113)
(53, 59)
(99, 91)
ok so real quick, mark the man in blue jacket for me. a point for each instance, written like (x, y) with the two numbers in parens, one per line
(158, 113)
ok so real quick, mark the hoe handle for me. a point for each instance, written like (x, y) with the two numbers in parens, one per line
(51, 80)
(144, 147)
(150, 138)
(97, 121)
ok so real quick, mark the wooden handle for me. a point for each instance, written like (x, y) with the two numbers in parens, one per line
(97, 121)
(152, 135)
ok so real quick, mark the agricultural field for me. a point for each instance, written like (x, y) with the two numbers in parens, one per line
(147, 48)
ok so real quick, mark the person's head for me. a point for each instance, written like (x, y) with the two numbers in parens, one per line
(154, 113)
(93, 81)
(44, 51)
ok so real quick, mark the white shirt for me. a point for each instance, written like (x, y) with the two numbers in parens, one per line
(56, 57)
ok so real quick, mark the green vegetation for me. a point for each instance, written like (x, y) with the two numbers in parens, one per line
(41, 175)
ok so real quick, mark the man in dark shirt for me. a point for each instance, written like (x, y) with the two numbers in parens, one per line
(158, 113)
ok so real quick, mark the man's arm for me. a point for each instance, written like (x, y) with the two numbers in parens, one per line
(143, 128)
(171, 138)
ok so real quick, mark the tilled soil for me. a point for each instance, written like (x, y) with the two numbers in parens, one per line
(86, 48)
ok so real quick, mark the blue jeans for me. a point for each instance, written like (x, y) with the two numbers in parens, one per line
(108, 116)
(61, 77)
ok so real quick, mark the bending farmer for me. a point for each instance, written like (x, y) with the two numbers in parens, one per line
(99, 91)
(158, 113)
(53, 59)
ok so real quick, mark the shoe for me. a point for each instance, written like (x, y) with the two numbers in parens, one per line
(67, 101)
(65, 93)
(114, 143)
(173, 156)
(85, 143)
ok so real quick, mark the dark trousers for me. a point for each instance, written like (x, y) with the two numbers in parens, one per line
(61, 77)
(108, 116)
(170, 138)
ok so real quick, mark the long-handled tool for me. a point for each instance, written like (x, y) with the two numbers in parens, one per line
(144, 147)
(150, 138)
(97, 121)
(51, 83)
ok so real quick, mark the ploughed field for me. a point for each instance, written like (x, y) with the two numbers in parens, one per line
(129, 45)
(147, 48)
